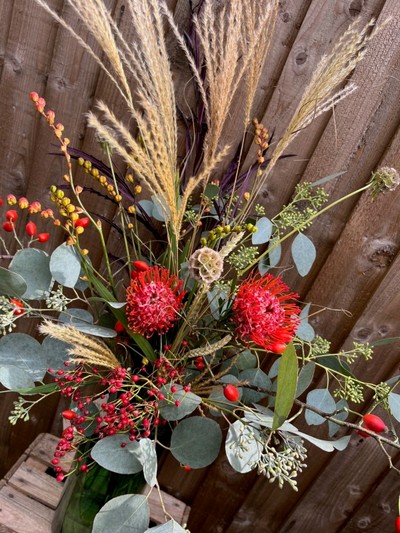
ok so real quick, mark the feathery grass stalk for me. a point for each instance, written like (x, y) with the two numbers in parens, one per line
(84, 349)
(317, 98)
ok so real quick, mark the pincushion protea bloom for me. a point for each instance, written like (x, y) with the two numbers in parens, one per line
(154, 299)
(264, 313)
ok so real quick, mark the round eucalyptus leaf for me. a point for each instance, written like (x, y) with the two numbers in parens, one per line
(124, 514)
(65, 265)
(187, 403)
(33, 266)
(196, 441)
(169, 527)
(242, 447)
(14, 378)
(109, 454)
(257, 378)
(322, 400)
(11, 283)
(23, 351)
(55, 353)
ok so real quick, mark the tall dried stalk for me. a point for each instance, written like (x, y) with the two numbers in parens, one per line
(234, 40)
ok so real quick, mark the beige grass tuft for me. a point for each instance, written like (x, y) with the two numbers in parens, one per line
(84, 349)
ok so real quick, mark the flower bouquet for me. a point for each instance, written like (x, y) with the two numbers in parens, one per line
(180, 336)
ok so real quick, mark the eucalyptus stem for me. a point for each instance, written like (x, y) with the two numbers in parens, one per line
(304, 224)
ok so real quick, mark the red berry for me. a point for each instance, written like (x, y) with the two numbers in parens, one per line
(8, 226)
(69, 414)
(141, 266)
(1, 202)
(82, 222)
(34, 96)
(119, 327)
(60, 477)
(186, 468)
(11, 215)
(374, 423)
(31, 229)
(19, 306)
(397, 524)
(231, 393)
(363, 434)
(43, 237)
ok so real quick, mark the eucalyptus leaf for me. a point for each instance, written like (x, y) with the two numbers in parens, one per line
(326, 445)
(23, 351)
(387, 340)
(73, 316)
(148, 459)
(11, 283)
(196, 441)
(303, 253)
(188, 402)
(211, 191)
(147, 206)
(273, 371)
(55, 353)
(263, 266)
(14, 378)
(341, 413)
(65, 265)
(286, 386)
(161, 211)
(124, 514)
(33, 266)
(243, 457)
(246, 360)
(257, 378)
(169, 527)
(218, 301)
(305, 331)
(82, 320)
(324, 180)
(322, 400)
(331, 362)
(394, 405)
(305, 378)
(275, 253)
(109, 454)
(264, 231)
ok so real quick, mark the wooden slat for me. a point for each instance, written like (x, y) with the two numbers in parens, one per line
(379, 508)
(22, 514)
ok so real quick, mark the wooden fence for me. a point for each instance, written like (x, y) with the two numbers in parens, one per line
(357, 266)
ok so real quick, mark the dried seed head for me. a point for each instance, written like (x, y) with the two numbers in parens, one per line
(206, 265)
(385, 178)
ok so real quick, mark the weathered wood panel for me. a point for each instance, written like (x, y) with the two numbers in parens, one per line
(358, 261)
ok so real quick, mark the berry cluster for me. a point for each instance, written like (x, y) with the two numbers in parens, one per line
(124, 402)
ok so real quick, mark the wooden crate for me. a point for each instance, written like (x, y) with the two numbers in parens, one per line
(29, 493)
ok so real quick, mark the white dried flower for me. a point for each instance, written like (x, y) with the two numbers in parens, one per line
(206, 265)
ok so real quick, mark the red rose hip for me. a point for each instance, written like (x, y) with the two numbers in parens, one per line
(231, 393)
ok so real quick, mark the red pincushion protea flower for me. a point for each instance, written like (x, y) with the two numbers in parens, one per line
(154, 299)
(264, 313)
